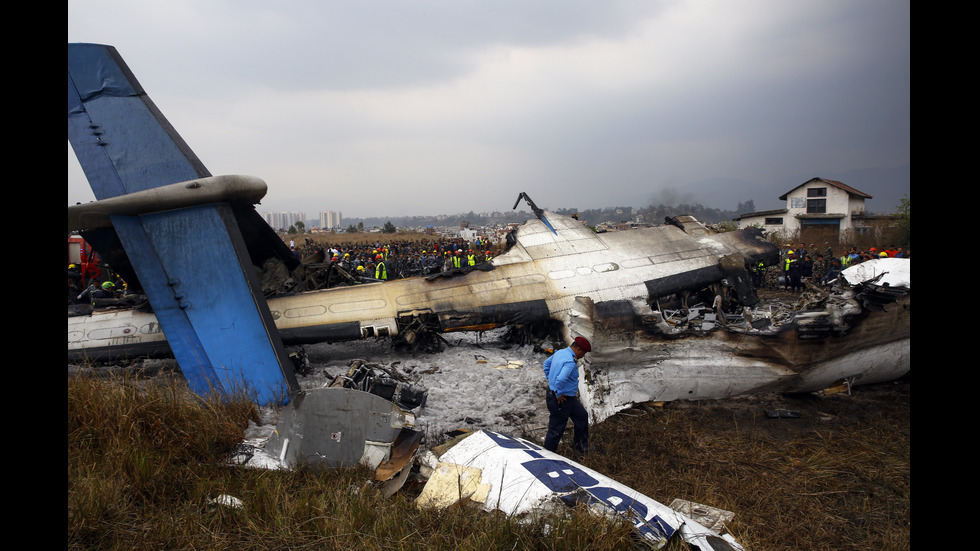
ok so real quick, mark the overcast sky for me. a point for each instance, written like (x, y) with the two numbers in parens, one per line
(426, 107)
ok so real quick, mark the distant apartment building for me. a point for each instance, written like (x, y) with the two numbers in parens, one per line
(283, 220)
(330, 220)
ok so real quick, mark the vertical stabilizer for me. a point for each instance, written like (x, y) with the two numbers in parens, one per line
(192, 262)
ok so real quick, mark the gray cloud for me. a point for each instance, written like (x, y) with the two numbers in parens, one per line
(427, 107)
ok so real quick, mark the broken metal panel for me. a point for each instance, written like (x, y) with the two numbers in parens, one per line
(517, 477)
(338, 427)
(118, 333)
(890, 272)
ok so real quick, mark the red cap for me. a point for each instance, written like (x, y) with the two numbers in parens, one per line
(583, 343)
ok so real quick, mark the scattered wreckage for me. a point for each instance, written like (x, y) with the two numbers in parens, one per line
(857, 332)
(364, 417)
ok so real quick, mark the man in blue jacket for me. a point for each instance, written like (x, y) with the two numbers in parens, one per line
(561, 369)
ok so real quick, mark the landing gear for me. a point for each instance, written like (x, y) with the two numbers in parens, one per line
(419, 332)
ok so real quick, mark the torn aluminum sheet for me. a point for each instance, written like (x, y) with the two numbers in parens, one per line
(341, 427)
(517, 477)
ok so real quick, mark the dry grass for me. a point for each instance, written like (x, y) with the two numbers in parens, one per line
(838, 478)
(144, 460)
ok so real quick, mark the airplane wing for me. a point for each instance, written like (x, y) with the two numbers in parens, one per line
(192, 262)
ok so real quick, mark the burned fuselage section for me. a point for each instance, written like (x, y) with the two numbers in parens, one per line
(537, 279)
(858, 332)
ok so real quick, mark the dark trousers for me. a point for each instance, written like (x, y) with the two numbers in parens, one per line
(560, 413)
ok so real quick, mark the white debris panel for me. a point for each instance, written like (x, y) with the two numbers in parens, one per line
(518, 477)
(897, 272)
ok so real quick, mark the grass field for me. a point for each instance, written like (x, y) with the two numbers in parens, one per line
(145, 458)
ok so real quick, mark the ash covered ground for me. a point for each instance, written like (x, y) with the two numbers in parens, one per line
(479, 382)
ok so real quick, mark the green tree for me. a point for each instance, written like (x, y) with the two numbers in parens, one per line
(300, 226)
(292, 229)
(388, 227)
(360, 226)
(905, 220)
(352, 229)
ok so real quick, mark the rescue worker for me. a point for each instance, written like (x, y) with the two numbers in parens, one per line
(561, 370)
(832, 272)
(471, 258)
(108, 290)
(794, 274)
(74, 283)
(458, 259)
(380, 272)
(757, 271)
(787, 265)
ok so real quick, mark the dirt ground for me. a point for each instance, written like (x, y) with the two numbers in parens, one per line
(787, 416)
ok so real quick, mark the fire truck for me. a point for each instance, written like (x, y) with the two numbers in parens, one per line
(82, 255)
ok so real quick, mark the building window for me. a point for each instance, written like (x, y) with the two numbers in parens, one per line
(816, 192)
(816, 206)
(774, 221)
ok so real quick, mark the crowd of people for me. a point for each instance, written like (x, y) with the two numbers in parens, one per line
(802, 263)
(422, 257)
(398, 259)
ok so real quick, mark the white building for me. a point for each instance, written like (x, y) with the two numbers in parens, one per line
(817, 206)
(282, 220)
(330, 220)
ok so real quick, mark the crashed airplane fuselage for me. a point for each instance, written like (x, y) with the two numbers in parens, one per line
(538, 278)
(605, 287)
